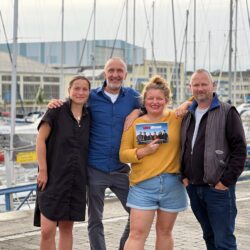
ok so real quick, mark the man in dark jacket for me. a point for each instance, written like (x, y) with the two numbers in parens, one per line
(213, 157)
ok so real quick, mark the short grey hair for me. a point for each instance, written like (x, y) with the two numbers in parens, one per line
(202, 71)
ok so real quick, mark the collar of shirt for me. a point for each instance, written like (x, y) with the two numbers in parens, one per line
(215, 104)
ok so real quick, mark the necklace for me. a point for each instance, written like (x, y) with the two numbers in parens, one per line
(77, 116)
(77, 113)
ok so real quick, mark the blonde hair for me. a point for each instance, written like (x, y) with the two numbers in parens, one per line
(157, 82)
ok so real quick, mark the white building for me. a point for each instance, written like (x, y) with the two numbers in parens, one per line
(32, 77)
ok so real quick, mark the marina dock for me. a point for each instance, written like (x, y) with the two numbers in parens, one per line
(18, 233)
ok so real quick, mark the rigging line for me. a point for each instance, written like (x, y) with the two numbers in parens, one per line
(148, 32)
(6, 38)
(145, 36)
(150, 37)
(10, 56)
(206, 45)
(244, 29)
(85, 40)
(178, 10)
(144, 40)
(240, 70)
(223, 61)
(117, 31)
(174, 34)
(185, 34)
(147, 22)
(186, 29)
(206, 49)
(248, 15)
(184, 37)
(143, 44)
(205, 14)
(241, 80)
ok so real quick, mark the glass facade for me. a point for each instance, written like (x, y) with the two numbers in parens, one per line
(30, 91)
(50, 92)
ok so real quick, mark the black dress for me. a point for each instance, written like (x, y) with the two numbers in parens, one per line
(64, 197)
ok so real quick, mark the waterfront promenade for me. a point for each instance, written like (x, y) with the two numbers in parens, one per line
(17, 232)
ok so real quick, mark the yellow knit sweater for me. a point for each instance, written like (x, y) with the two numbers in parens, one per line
(164, 160)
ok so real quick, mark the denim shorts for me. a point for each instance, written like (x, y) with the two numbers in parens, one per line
(164, 192)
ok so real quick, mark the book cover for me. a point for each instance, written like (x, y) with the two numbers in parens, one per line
(147, 132)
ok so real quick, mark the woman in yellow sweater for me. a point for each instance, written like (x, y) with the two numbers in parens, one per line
(155, 185)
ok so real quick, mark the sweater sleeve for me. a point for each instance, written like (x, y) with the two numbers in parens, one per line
(237, 144)
(128, 149)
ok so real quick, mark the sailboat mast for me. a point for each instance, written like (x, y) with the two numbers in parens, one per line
(126, 34)
(153, 28)
(186, 41)
(209, 51)
(175, 70)
(133, 67)
(230, 52)
(10, 164)
(93, 55)
(235, 52)
(194, 35)
(62, 87)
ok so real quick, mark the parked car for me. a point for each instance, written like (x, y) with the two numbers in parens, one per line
(33, 116)
(243, 107)
(1, 157)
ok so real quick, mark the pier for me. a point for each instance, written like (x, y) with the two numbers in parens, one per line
(17, 230)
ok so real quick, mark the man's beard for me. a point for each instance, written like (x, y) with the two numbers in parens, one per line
(203, 97)
(114, 86)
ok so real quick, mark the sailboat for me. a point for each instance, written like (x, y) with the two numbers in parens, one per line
(24, 138)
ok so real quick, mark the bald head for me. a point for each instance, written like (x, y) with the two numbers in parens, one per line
(115, 72)
(115, 60)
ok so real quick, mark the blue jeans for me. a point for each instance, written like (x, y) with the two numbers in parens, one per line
(216, 212)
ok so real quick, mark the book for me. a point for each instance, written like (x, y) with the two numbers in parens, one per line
(147, 132)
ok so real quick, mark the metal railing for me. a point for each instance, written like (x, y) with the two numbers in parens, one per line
(7, 192)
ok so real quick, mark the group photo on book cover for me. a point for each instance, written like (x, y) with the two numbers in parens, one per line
(147, 132)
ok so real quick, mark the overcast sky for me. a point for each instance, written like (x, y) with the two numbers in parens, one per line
(40, 20)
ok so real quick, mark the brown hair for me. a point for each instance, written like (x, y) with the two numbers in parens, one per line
(79, 77)
(157, 82)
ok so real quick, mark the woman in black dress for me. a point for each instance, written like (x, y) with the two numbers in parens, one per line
(62, 147)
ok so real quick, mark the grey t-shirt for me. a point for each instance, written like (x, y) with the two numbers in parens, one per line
(198, 115)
